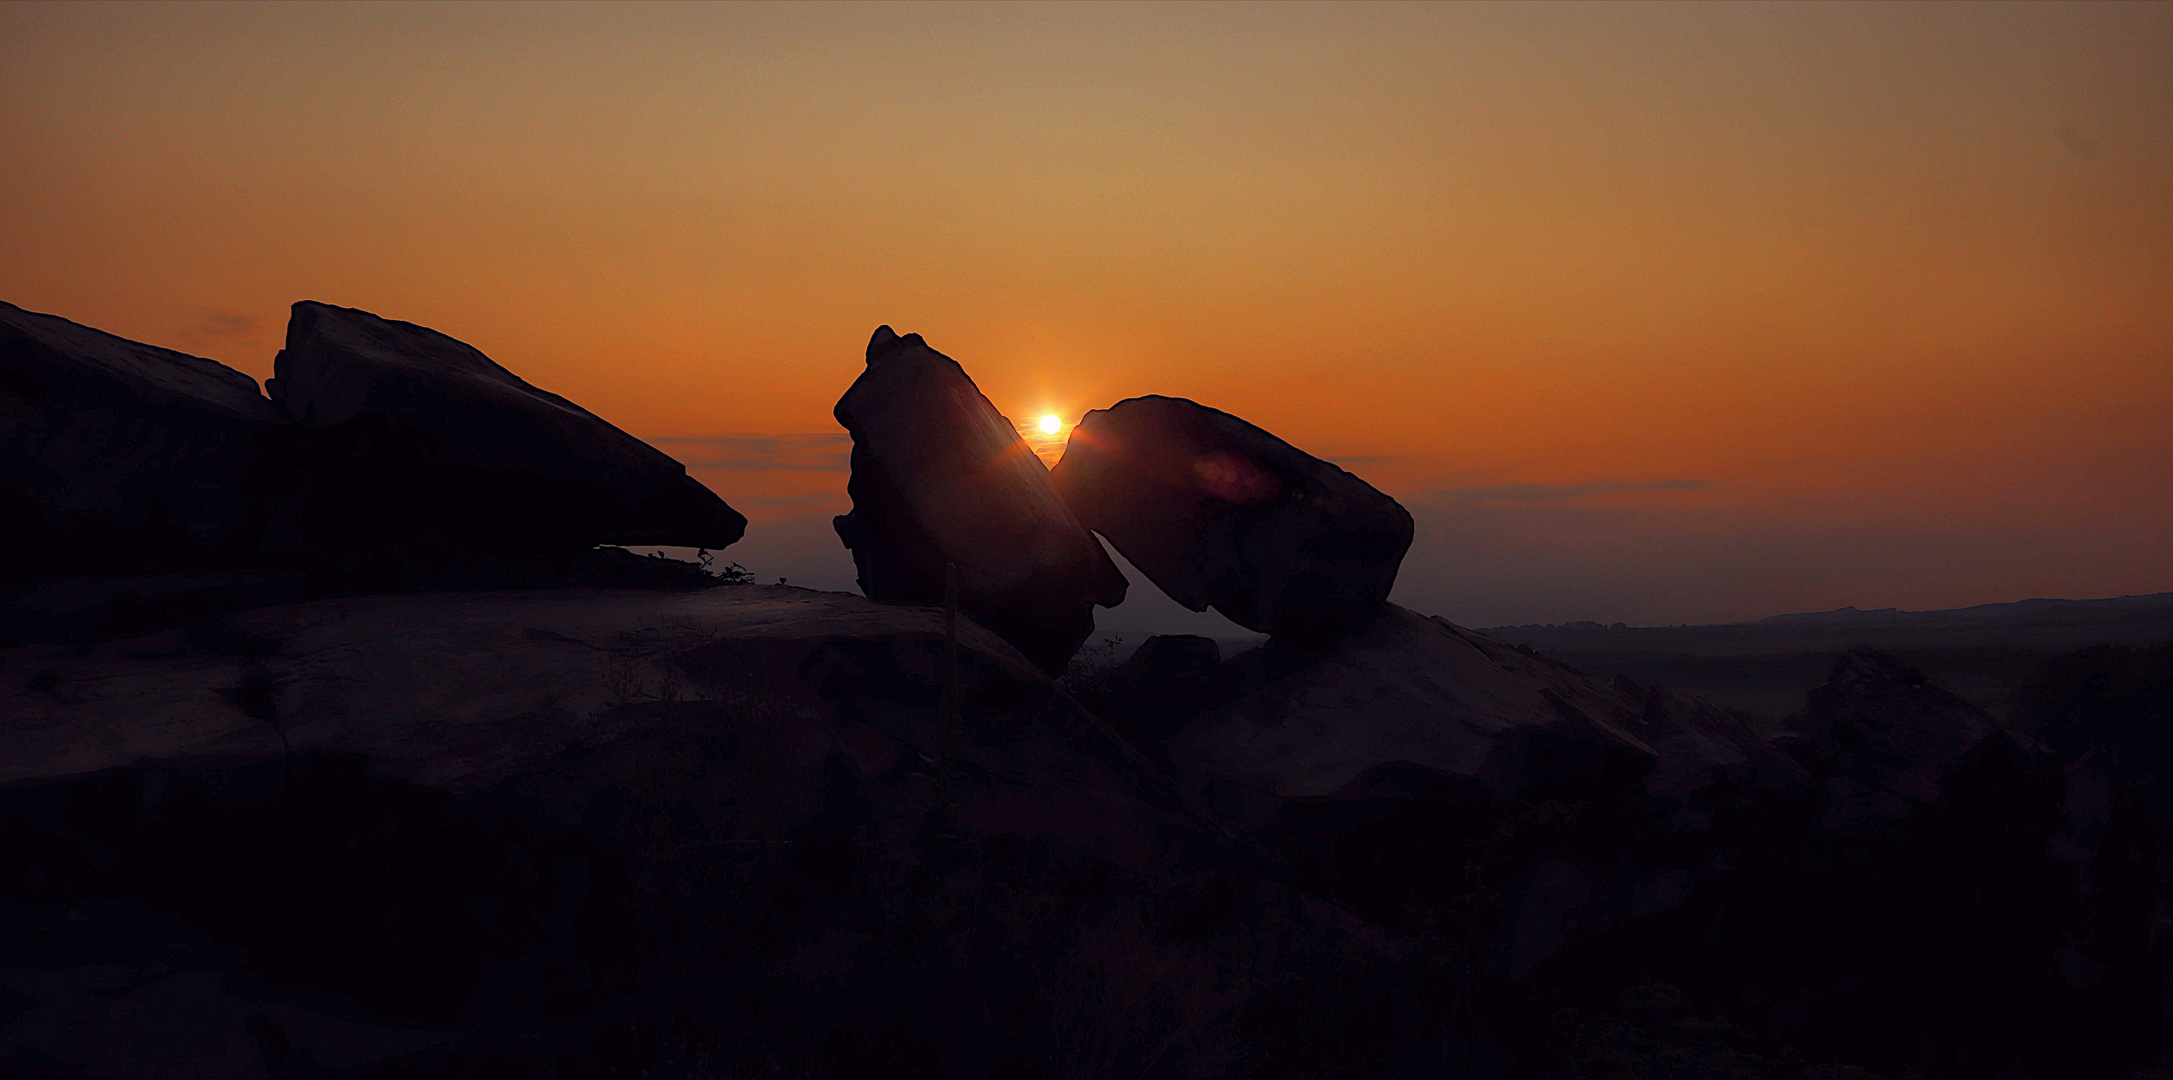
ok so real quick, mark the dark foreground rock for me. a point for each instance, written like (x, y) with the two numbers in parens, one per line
(425, 450)
(939, 476)
(1900, 884)
(116, 454)
(1373, 758)
(1220, 513)
(1941, 906)
(730, 832)
(605, 832)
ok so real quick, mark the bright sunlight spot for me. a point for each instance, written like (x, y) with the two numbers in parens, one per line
(1051, 424)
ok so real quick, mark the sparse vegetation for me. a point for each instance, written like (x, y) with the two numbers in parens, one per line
(1090, 667)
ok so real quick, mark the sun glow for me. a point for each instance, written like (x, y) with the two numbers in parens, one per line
(1051, 424)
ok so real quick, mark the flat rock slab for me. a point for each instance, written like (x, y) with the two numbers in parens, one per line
(453, 691)
(114, 453)
(1219, 513)
(939, 476)
(425, 443)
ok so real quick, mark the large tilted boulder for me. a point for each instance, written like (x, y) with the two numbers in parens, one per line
(939, 476)
(425, 447)
(1220, 513)
(118, 455)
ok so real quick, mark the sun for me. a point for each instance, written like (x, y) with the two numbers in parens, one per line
(1051, 424)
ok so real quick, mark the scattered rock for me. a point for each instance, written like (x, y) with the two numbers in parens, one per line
(119, 455)
(1904, 915)
(940, 476)
(425, 449)
(1218, 512)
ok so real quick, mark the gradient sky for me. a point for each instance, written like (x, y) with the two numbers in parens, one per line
(1649, 313)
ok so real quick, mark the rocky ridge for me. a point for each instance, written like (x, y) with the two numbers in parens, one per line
(249, 829)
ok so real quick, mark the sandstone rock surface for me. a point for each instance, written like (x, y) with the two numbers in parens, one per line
(424, 445)
(940, 476)
(495, 824)
(1219, 513)
(118, 454)
(451, 690)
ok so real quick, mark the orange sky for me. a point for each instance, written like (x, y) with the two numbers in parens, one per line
(1651, 313)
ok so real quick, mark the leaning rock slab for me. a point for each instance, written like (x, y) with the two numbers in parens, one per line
(1218, 512)
(118, 454)
(940, 476)
(424, 442)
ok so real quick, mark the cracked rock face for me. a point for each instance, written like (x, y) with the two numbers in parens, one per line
(1220, 513)
(419, 439)
(113, 452)
(939, 476)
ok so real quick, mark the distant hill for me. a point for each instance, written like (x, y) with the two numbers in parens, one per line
(1763, 667)
(2150, 607)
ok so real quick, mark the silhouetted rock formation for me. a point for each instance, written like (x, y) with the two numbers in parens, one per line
(940, 476)
(118, 455)
(425, 449)
(1218, 512)
(389, 455)
(589, 831)
(566, 831)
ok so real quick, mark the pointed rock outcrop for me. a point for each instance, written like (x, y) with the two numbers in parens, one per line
(1222, 514)
(939, 476)
(1889, 746)
(426, 447)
